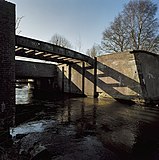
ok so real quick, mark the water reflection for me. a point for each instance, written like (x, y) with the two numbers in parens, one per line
(130, 132)
(94, 112)
(69, 111)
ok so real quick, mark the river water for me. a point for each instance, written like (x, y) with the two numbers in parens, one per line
(87, 128)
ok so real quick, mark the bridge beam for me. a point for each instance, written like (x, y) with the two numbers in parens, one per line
(48, 51)
(7, 71)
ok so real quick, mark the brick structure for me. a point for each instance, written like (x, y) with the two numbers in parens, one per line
(7, 71)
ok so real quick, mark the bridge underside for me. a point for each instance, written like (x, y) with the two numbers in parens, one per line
(70, 80)
(31, 48)
(25, 69)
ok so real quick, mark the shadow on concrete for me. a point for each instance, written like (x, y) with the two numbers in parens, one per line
(121, 81)
(51, 87)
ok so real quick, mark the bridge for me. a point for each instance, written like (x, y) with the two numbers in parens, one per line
(123, 76)
(31, 48)
(12, 45)
(66, 60)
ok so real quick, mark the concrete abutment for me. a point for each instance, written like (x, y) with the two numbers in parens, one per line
(127, 76)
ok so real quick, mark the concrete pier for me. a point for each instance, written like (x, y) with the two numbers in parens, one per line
(7, 71)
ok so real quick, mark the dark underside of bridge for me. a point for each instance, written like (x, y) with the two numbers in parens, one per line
(31, 48)
(39, 50)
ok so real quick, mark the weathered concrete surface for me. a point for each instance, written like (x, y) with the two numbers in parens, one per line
(122, 76)
(77, 78)
(67, 81)
(148, 65)
(25, 69)
(117, 76)
(129, 76)
(7, 68)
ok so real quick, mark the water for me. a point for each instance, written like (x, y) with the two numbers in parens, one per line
(23, 94)
(86, 128)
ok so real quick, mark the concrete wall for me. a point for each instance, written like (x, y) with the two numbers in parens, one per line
(44, 75)
(89, 80)
(117, 76)
(148, 67)
(70, 80)
(7, 68)
(77, 78)
(25, 69)
(122, 76)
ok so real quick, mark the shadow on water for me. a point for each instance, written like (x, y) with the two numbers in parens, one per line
(85, 128)
(147, 142)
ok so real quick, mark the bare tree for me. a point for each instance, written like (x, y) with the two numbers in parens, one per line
(136, 28)
(94, 51)
(18, 21)
(115, 38)
(60, 41)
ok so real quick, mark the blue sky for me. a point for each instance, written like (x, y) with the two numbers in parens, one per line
(80, 21)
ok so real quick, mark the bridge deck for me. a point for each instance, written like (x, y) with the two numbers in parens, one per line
(31, 48)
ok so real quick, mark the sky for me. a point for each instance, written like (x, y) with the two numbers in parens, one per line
(82, 22)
